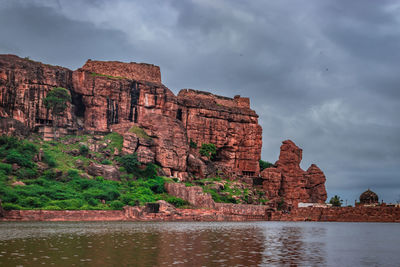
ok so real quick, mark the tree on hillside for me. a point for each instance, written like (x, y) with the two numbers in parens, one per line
(56, 101)
(336, 201)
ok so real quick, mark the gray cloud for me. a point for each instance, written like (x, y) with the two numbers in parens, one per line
(322, 73)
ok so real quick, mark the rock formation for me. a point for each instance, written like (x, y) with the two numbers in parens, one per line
(116, 96)
(160, 127)
(289, 182)
(228, 123)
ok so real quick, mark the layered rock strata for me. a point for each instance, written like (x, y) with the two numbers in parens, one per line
(228, 123)
(116, 96)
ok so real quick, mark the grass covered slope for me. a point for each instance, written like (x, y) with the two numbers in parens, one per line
(52, 175)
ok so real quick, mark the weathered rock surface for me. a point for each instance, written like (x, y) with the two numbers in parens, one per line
(290, 182)
(18, 183)
(316, 184)
(133, 70)
(193, 194)
(116, 96)
(228, 123)
(272, 183)
(108, 172)
(108, 94)
(23, 86)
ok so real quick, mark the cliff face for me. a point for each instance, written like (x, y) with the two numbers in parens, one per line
(228, 123)
(116, 96)
(23, 86)
(130, 99)
(288, 181)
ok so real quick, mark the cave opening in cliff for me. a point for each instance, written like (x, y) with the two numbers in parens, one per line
(77, 101)
(179, 114)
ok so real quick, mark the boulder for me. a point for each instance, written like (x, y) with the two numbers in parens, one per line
(108, 172)
(192, 194)
(166, 208)
(18, 183)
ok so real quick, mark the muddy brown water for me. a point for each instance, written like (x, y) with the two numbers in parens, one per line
(199, 244)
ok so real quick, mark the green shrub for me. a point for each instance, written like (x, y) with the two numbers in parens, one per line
(177, 202)
(139, 132)
(156, 185)
(93, 202)
(49, 174)
(8, 195)
(28, 149)
(9, 142)
(73, 174)
(6, 168)
(84, 150)
(67, 204)
(129, 162)
(14, 156)
(116, 205)
(208, 150)
(30, 202)
(49, 159)
(117, 140)
(265, 164)
(51, 207)
(11, 206)
(25, 173)
(192, 144)
(106, 162)
(149, 173)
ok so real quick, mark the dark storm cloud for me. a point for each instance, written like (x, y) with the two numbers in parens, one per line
(41, 33)
(322, 73)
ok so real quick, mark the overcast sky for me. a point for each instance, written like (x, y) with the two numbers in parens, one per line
(325, 74)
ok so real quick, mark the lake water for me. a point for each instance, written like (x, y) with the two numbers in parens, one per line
(199, 244)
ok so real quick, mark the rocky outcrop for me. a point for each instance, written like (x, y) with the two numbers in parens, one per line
(23, 86)
(133, 70)
(108, 96)
(228, 123)
(316, 184)
(108, 172)
(289, 182)
(193, 194)
(272, 183)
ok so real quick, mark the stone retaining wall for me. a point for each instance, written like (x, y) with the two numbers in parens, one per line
(343, 214)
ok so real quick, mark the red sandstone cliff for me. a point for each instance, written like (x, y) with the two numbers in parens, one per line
(288, 181)
(125, 97)
(114, 96)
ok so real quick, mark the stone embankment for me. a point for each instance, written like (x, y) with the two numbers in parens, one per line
(162, 211)
(343, 214)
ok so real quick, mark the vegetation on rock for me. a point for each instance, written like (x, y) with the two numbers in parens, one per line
(58, 181)
(265, 165)
(208, 150)
(56, 101)
(139, 132)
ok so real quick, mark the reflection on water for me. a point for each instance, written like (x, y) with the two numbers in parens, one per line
(198, 244)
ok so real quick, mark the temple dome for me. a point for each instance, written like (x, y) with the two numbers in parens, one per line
(369, 197)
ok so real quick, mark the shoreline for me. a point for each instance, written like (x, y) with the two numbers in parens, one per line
(229, 214)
